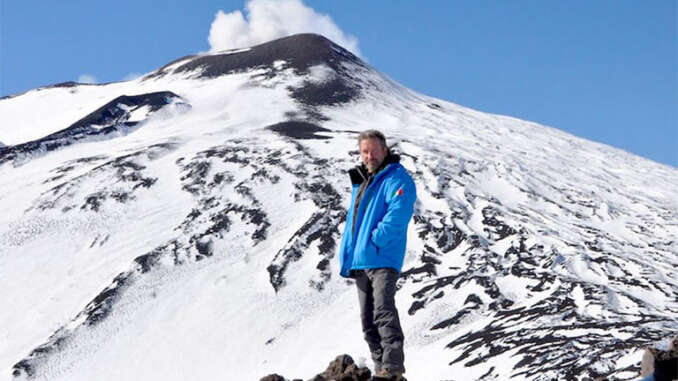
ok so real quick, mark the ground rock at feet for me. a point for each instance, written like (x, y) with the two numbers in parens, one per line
(273, 377)
(342, 368)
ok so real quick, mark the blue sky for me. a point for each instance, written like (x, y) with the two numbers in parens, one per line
(602, 70)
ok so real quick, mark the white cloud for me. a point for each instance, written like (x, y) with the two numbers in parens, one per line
(266, 20)
(87, 78)
(131, 76)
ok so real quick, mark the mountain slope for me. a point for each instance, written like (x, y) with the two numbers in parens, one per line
(201, 243)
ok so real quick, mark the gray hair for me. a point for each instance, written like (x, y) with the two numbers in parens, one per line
(372, 134)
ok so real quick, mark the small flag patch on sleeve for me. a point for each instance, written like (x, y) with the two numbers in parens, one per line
(399, 192)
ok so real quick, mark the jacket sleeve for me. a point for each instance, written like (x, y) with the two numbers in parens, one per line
(400, 200)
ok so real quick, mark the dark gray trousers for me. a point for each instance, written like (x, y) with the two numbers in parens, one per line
(379, 317)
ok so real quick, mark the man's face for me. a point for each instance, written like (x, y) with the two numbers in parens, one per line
(372, 153)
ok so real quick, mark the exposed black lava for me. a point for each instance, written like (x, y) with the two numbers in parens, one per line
(299, 130)
(105, 122)
(300, 52)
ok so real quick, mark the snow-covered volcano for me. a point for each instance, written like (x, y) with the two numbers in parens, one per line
(184, 225)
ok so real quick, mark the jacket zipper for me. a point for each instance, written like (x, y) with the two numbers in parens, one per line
(380, 174)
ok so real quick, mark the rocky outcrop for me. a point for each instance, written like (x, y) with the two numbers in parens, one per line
(119, 117)
(342, 368)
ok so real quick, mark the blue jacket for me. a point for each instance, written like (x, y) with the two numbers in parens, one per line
(380, 235)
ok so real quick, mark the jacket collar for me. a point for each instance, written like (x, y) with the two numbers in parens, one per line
(359, 173)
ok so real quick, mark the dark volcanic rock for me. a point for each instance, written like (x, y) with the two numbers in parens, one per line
(107, 121)
(322, 227)
(65, 84)
(333, 92)
(273, 377)
(119, 180)
(299, 130)
(345, 369)
(342, 368)
(299, 51)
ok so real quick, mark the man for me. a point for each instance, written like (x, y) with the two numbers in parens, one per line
(660, 365)
(373, 247)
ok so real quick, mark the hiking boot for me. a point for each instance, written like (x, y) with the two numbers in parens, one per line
(390, 375)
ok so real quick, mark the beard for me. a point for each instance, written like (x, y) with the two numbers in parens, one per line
(372, 165)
